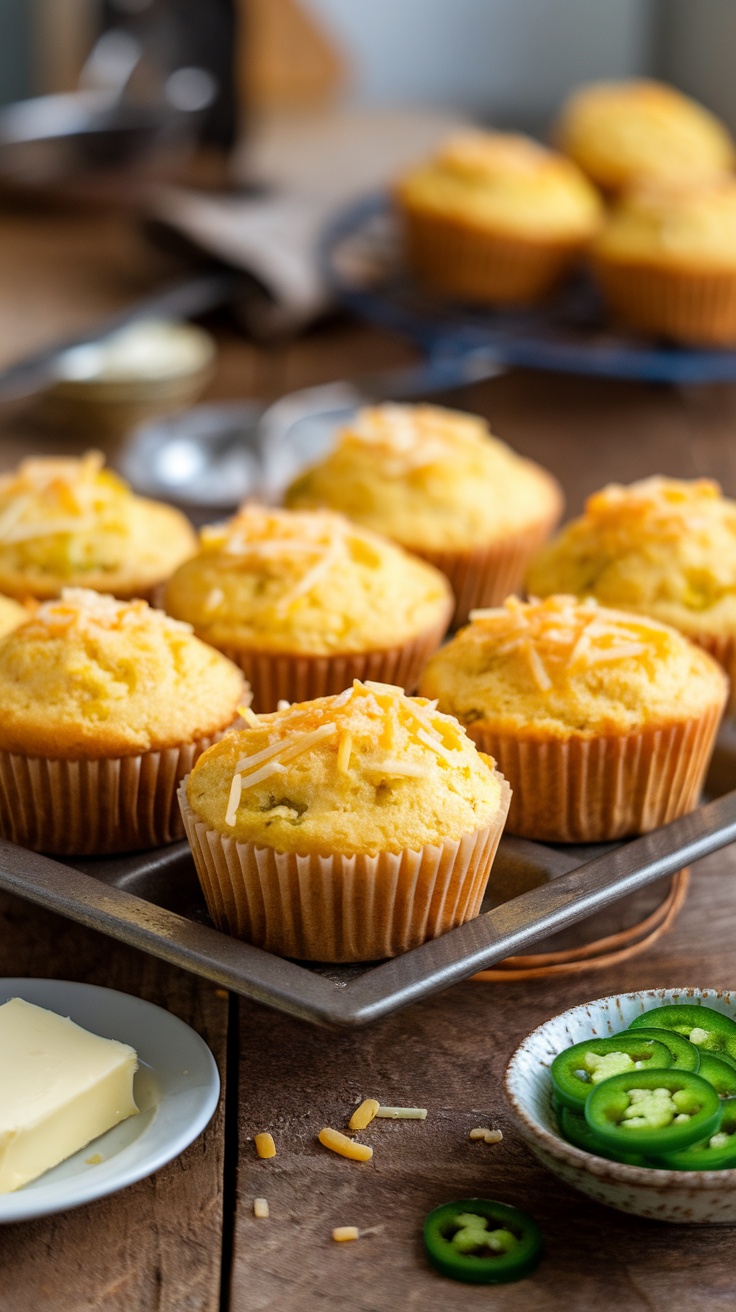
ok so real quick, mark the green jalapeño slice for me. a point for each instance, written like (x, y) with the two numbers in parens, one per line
(685, 1055)
(707, 1029)
(482, 1242)
(653, 1111)
(577, 1070)
(721, 1074)
(716, 1153)
(576, 1130)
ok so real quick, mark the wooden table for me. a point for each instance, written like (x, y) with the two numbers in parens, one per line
(186, 1240)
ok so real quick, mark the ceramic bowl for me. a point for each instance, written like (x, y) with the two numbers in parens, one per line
(692, 1197)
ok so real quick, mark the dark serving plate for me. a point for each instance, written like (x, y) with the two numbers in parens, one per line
(152, 900)
(362, 265)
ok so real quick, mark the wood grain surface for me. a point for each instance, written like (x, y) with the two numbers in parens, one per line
(162, 1244)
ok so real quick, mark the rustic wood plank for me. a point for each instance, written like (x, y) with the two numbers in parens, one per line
(156, 1246)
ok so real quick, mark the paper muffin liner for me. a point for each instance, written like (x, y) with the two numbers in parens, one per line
(342, 908)
(722, 648)
(94, 807)
(486, 575)
(580, 790)
(459, 260)
(296, 677)
(688, 306)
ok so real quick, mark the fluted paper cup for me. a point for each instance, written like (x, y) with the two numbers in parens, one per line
(473, 264)
(692, 306)
(723, 649)
(285, 676)
(341, 908)
(591, 790)
(98, 806)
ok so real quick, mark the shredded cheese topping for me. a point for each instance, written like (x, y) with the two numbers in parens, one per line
(46, 496)
(83, 610)
(560, 636)
(374, 720)
(669, 506)
(404, 438)
(313, 541)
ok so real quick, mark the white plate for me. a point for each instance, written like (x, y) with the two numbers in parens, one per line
(177, 1087)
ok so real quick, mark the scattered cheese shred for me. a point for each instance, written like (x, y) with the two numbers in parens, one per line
(343, 1233)
(363, 1115)
(478, 1133)
(339, 1143)
(261, 1209)
(233, 801)
(265, 1146)
(343, 752)
(402, 1113)
(494, 1136)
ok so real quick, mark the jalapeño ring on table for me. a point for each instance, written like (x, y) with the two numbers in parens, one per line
(653, 1112)
(718, 1153)
(578, 1069)
(709, 1030)
(482, 1242)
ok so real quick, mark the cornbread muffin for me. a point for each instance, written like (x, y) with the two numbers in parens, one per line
(666, 261)
(306, 601)
(602, 722)
(67, 522)
(622, 132)
(661, 547)
(439, 483)
(104, 707)
(495, 218)
(11, 615)
(344, 829)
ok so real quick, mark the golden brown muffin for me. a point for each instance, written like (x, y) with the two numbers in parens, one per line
(105, 706)
(495, 218)
(67, 522)
(663, 547)
(602, 722)
(305, 601)
(666, 261)
(344, 829)
(620, 133)
(439, 483)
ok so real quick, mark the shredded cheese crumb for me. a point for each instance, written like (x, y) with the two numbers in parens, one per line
(265, 1146)
(343, 752)
(494, 1136)
(261, 1209)
(343, 1233)
(479, 1133)
(363, 1115)
(339, 1143)
(402, 1113)
(282, 704)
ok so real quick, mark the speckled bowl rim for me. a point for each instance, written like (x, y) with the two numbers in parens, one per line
(601, 1167)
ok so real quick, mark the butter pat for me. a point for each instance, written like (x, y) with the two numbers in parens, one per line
(60, 1087)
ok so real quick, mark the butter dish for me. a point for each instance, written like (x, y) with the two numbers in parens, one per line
(176, 1089)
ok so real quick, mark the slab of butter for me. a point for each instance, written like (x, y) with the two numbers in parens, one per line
(60, 1087)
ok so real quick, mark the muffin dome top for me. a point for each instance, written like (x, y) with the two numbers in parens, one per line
(88, 676)
(370, 770)
(506, 182)
(308, 581)
(674, 225)
(565, 667)
(428, 477)
(66, 520)
(620, 132)
(661, 546)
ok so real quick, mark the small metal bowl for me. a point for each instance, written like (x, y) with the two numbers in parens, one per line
(104, 389)
(681, 1197)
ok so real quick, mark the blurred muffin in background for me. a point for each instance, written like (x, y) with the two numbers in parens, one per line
(67, 522)
(661, 547)
(305, 602)
(11, 615)
(495, 218)
(624, 132)
(666, 261)
(441, 485)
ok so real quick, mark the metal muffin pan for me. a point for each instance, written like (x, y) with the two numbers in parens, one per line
(152, 901)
